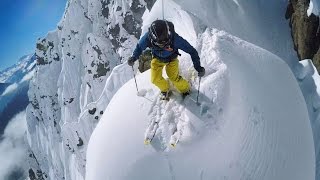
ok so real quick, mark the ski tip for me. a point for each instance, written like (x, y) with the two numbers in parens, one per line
(146, 141)
(173, 145)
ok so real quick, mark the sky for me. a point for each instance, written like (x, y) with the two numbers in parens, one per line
(22, 23)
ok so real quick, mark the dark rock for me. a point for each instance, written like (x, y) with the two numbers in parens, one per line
(150, 3)
(304, 31)
(92, 111)
(105, 9)
(102, 70)
(80, 143)
(32, 175)
(41, 61)
(41, 47)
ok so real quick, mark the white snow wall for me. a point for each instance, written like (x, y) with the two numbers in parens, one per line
(257, 21)
(71, 86)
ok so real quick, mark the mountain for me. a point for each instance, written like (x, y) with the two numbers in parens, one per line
(67, 97)
(241, 130)
(14, 99)
(81, 78)
(3, 87)
(16, 72)
(14, 89)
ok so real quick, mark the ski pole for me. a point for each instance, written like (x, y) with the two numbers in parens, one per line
(135, 80)
(198, 92)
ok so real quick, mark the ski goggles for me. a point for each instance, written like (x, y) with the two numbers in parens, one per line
(163, 43)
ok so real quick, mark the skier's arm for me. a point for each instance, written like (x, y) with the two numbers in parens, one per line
(141, 46)
(184, 45)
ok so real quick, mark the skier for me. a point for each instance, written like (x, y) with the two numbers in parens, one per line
(164, 43)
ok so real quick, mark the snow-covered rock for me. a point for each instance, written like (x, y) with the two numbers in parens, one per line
(74, 66)
(250, 125)
(313, 7)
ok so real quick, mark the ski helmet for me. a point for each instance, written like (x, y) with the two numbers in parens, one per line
(159, 33)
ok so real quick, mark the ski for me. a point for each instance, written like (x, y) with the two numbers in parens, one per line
(154, 124)
(157, 116)
(174, 140)
(151, 133)
(165, 96)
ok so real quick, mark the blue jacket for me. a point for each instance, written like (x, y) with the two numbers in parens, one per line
(165, 55)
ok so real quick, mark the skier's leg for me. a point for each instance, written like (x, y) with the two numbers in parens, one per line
(156, 75)
(172, 70)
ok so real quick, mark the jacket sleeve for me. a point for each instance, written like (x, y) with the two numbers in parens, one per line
(141, 46)
(184, 45)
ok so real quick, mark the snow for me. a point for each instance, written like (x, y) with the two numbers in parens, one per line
(313, 8)
(309, 81)
(74, 82)
(16, 72)
(250, 125)
(28, 76)
(10, 89)
(69, 97)
(258, 22)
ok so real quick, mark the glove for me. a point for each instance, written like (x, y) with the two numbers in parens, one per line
(201, 71)
(131, 61)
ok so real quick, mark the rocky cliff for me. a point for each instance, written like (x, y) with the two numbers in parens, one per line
(304, 31)
(74, 63)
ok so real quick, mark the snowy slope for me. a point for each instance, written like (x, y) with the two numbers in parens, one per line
(309, 81)
(252, 124)
(68, 94)
(77, 73)
(313, 8)
(256, 21)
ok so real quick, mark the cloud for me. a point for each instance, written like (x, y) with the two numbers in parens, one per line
(13, 148)
(10, 89)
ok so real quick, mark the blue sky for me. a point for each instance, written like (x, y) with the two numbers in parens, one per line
(22, 23)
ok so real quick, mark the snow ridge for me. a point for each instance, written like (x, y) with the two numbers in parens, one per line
(242, 128)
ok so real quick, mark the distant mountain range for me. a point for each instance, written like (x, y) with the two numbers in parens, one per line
(15, 73)
(14, 85)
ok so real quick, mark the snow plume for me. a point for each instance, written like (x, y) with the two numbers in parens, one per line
(13, 147)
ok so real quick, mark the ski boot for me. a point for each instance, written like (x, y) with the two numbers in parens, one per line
(165, 95)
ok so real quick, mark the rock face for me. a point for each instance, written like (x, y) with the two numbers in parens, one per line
(73, 65)
(304, 31)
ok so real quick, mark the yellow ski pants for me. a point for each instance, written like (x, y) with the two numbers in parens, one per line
(172, 70)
